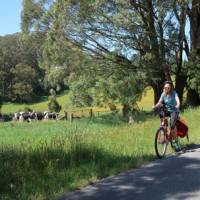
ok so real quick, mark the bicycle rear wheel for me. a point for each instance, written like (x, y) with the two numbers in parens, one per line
(160, 143)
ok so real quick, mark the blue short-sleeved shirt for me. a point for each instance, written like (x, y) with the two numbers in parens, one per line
(170, 102)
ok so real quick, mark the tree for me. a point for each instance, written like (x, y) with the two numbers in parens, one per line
(13, 52)
(144, 37)
(24, 78)
(193, 80)
(180, 12)
(193, 96)
(56, 78)
(9, 57)
(89, 87)
(53, 105)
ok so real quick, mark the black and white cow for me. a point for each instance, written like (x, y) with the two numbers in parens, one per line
(5, 117)
(27, 116)
(39, 115)
(16, 117)
(50, 115)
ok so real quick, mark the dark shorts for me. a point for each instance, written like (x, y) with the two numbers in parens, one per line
(173, 117)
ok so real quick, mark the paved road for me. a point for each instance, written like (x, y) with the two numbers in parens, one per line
(176, 178)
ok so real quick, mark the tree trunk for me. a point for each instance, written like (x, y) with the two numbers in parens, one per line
(157, 94)
(181, 77)
(180, 84)
(195, 26)
(126, 110)
(193, 97)
(158, 89)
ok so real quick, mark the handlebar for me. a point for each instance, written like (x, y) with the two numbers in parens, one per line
(163, 107)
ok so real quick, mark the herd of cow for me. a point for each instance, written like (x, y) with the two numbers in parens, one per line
(28, 116)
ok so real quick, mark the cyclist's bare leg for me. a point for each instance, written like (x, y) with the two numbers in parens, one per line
(174, 139)
(173, 134)
(173, 119)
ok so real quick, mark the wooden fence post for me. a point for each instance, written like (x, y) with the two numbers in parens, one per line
(65, 115)
(71, 117)
(91, 113)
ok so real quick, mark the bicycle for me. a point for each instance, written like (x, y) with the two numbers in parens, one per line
(163, 136)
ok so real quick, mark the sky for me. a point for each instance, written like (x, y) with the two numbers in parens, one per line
(10, 17)
(10, 13)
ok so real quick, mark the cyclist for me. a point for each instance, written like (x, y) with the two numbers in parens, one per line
(169, 98)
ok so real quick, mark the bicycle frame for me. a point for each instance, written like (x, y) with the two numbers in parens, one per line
(164, 124)
(164, 127)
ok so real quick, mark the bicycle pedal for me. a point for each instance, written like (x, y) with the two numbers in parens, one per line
(183, 149)
(178, 150)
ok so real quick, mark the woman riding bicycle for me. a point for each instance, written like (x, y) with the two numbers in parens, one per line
(169, 98)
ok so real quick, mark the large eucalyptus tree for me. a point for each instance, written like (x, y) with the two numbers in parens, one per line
(138, 36)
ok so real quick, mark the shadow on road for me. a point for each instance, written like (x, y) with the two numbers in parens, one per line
(176, 177)
(193, 147)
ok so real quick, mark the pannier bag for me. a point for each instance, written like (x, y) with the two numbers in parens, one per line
(182, 128)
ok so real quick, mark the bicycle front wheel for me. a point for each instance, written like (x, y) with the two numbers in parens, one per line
(161, 143)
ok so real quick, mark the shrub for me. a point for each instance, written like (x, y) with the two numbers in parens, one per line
(53, 105)
(27, 109)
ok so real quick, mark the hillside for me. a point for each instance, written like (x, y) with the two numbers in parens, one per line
(63, 100)
(145, 103)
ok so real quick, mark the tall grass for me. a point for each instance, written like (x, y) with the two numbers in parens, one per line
(41, 160)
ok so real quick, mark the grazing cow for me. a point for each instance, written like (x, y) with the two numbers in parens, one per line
(22, 116)
(50, 115)
(15, 116)
(5, 117)
(32, 115)
(39, 115)
(27, 116)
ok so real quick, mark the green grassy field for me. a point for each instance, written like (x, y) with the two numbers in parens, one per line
(42, 160)
(63, 100)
